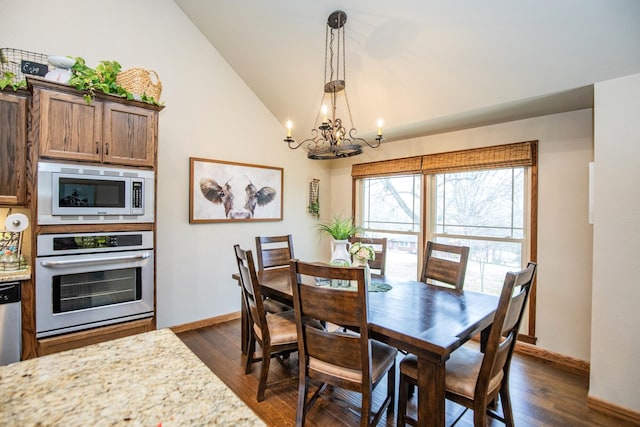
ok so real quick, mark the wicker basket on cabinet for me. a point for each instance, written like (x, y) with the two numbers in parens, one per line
(139, 82)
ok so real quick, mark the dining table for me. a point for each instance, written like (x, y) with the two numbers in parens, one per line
(427, 320)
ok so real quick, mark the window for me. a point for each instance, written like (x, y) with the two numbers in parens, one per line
(390, 207)
(484, 210)
(484, 198)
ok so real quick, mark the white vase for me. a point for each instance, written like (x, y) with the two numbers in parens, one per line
(359, 262)
(340, 253)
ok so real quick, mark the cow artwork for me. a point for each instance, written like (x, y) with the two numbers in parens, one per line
(218, 194)
(224, 191)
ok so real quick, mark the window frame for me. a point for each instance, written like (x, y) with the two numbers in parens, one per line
(491, 157)
(358, 206)
(430, 225)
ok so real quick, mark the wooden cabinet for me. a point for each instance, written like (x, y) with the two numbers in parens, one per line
(62, 126)
(69, 128)
(13, 148)
(129, 135)
(123, 133)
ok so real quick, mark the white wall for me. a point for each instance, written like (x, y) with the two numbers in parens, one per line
(209, 113)
(564, 234)
(615, 342)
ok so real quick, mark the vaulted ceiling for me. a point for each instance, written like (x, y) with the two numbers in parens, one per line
(426, 66)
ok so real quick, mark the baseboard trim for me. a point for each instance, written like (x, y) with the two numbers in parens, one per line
(612, 409)
(205, 322)
(571, 364)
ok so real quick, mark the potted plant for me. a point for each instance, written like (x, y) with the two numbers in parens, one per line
(103, 79)
(340, 229)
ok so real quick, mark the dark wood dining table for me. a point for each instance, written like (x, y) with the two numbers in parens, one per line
(427, 320)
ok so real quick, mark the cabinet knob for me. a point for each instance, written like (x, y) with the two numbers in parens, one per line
(97, 147)
(106, 149)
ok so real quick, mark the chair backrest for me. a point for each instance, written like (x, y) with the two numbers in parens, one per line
(251, 290)
(348, 352)
(506, 323)
(379, 245)
(445, 263)
(274, 251)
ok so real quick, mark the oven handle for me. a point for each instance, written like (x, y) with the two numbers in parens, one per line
(66, 263)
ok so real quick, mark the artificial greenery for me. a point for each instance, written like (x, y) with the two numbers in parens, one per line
(314, 208)
(103, 79)
(340, 228)
(7, 80)
(362, 251)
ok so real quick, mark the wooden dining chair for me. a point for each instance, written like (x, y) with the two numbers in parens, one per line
(274, 252)
(275, 332)
(445, 264)
(342, 359)
(379, 245)
(475, 379)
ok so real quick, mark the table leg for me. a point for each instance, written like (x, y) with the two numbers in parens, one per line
(431, 406)
(484, 338)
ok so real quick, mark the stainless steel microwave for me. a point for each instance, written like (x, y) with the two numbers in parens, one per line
(88, 194)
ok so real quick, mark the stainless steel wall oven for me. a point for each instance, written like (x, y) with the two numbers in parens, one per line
(92, 279)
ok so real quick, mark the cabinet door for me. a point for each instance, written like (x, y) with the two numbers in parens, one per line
(13, 147)
(69, 127)
(129, 135)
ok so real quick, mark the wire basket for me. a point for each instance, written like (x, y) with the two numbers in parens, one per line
(22, 62)
(10, 257)
(139, 81)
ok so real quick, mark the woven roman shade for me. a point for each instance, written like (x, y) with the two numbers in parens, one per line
(496, 157)
(407, 165)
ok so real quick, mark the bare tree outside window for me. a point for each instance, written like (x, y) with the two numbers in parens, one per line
(485, 211)
(391, 208)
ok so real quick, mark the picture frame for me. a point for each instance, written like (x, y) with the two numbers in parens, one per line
(222, 191)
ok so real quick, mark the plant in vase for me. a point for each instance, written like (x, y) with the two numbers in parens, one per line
(362, 253)
(340, 229)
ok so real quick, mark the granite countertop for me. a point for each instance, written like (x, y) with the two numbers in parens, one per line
(149, 379)
(15, 275)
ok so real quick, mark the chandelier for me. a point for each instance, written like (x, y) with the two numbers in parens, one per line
(330, 139)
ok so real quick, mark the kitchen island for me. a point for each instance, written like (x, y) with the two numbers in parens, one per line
(148, 379)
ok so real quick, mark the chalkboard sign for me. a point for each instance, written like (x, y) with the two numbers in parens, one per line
(33, 68)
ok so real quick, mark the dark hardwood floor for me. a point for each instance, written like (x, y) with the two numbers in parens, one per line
(542, 395)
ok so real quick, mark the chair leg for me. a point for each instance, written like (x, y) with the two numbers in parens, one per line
(403, 397)
(365, 412)
(264, 373)
(301, 412)
(480, 416)
(251, 349)
(507, 412)
(391, 388)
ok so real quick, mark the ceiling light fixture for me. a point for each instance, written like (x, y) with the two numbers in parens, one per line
(330, 140)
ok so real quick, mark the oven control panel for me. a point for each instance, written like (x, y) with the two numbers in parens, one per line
(60, 244)
(90, 242)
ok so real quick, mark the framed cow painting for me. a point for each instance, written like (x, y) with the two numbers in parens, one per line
(222, 191)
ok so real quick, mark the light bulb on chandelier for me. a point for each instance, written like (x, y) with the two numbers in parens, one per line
(330, 139)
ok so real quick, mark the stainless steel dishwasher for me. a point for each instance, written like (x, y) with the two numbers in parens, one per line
(10, 323)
